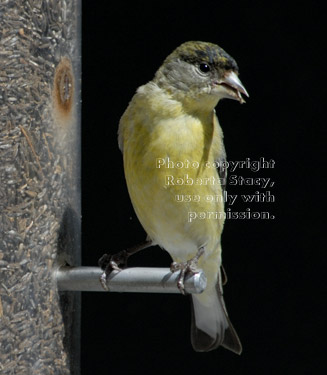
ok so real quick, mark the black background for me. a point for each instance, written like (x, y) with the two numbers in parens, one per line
(275, 267)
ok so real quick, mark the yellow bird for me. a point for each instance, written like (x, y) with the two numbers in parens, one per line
(172, 143)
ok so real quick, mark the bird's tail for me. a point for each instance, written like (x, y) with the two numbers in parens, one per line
(211, 326)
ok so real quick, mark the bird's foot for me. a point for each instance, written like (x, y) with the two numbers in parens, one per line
(185, 268)
(112, 262)
(118, 261)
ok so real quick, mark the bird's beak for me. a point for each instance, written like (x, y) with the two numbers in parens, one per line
(233, 87)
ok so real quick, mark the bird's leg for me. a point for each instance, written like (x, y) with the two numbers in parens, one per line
(111, 262)
(186, 267)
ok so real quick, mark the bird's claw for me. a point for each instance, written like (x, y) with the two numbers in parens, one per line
(189, 267)
(111, 262)
(118, 261)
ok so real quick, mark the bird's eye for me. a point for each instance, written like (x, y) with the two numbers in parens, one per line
(205, 68)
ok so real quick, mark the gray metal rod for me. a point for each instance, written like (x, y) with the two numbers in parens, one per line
(136, 280)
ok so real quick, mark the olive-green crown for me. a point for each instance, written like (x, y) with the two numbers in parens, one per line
(203, 52)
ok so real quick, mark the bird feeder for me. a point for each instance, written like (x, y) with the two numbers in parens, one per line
(40, 197)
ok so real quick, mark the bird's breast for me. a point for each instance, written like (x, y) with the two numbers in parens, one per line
(170, 185)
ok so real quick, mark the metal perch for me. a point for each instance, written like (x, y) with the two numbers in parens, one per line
(136, 280)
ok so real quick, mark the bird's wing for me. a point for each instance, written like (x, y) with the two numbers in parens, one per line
(220, 153)
(220, 158)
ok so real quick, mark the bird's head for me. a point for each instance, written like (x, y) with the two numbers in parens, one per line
(200, 73)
